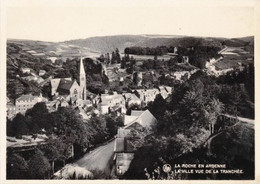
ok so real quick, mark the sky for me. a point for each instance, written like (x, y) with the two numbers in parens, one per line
(56, 21)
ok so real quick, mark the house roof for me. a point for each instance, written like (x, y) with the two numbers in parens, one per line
(84, 101)
(107, 99)
(136, 113)
(55, 83)
(131, 96)
(26, 97)
(146, 119)
(119, 145)
(129, 119)
(121, 132)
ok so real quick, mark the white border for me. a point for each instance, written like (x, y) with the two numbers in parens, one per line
(5, 3)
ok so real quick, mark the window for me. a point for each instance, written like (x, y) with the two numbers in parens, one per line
(75, 91)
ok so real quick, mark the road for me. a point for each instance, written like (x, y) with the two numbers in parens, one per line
(98, 159)
(246, 120)
(249, 122)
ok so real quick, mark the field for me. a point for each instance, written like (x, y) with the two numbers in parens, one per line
(146, 57)
(234, 57)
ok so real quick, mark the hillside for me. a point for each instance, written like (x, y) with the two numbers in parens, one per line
(110, 43)
(106, 44)
(94, 46)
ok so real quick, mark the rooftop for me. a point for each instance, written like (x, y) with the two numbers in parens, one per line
(26, 98)
(119, 145)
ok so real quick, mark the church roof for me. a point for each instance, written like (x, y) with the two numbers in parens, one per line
(65, 84)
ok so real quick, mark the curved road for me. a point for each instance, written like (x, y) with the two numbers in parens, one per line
(98, 159)
(246, 120)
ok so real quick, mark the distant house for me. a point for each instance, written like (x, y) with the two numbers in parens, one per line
(147, 95)
(179, 74)
(165, 91)
(124, 153)
(42, 72)
(131, 99)
(175, 50)
(185, 59)
(123, 161)
(109, 101)
(25, 102)
(25, 70)
(83, 103)
(11, 110)
(104, 108)
(51, 106)
(34, 78)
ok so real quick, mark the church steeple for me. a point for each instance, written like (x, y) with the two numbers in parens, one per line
(82, 70)
(82, 80)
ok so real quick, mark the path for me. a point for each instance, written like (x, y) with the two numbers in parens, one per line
(98, 159)
(241, 119)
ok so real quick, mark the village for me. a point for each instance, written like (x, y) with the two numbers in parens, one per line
(67, 92)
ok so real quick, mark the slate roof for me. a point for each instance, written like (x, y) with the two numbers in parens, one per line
(65, 84)
(56, 82)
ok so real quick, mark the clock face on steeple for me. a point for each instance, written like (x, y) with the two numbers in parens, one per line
(82, 78)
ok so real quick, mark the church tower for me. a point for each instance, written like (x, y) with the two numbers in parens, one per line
(82, 80)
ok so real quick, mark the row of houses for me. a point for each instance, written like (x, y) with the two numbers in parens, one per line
(211, 69)
(107, 103)
(23, 103)
(69, 96)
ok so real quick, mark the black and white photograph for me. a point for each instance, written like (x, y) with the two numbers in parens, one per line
(129, 90)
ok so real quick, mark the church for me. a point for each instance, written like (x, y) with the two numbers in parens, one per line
(70, 88)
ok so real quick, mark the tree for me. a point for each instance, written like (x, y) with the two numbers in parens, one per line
(39, 166)
(158, 102)
(113, 124)
(113, 58)
(71, 128)
(212, 111)
(17, 167)
(20, 125)
(117, 56)
(56, 149)
(108, 58)
(102, 58)
(39, 118)
(99, 124)
(123, 63)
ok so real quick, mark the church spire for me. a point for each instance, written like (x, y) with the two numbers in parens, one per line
(82, 80)
(82, 70)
